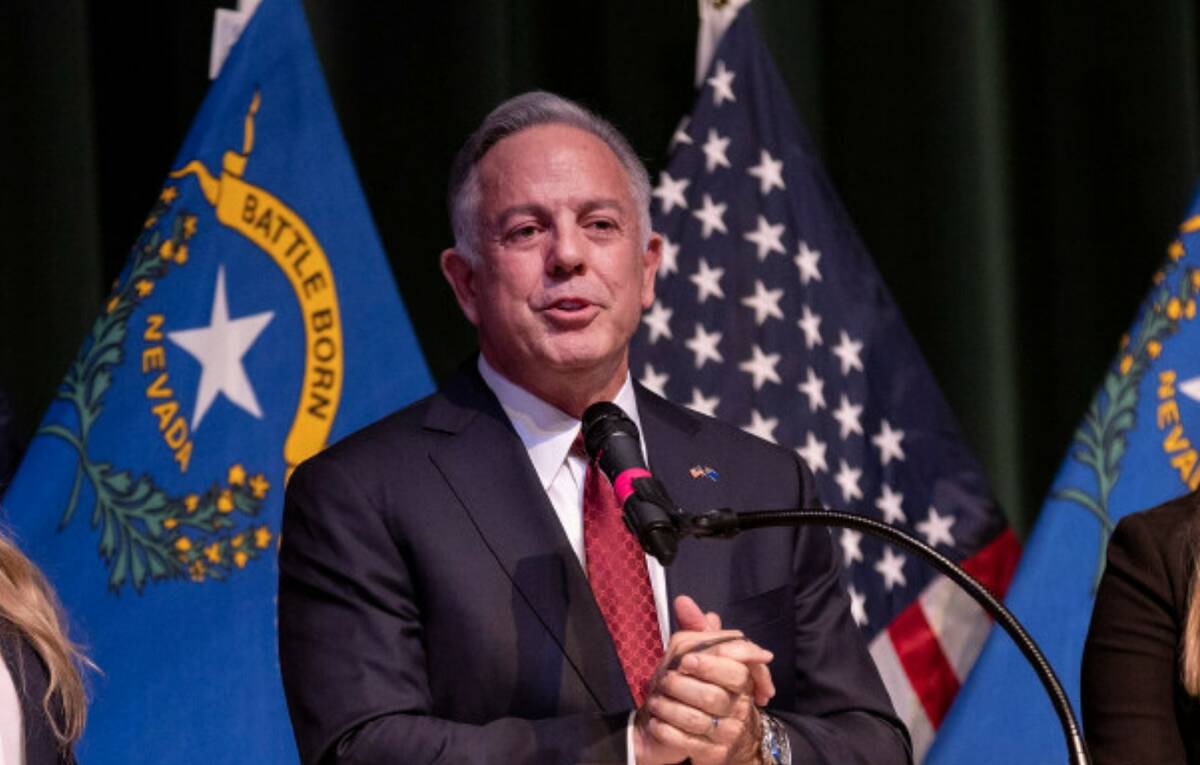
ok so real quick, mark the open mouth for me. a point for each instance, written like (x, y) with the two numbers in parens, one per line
(571, 311)
(569, 305)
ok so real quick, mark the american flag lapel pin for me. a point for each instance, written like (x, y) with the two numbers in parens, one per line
(703, 471)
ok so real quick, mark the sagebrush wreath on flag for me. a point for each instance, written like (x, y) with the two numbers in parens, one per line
(255, 321)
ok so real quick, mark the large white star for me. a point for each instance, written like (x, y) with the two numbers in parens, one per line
(722, 84)
(219, 349)
(848, 350)
(655, 381)
(806, 261)
(761, 366)
(702, 404)
(850, 540)
(766, 238)
(858, 606)
(847, 415)
(769, 172)
(704, 345)
(714, 151)
(891, 568)
(814, 388)
(765, 302)
(889, 503)
(810, 323)
(711, 217)
(936, 528)
(707, 281)
(813, 453)
(847, 480)
(888, 441)
(669, 192)
(670, 259)
(763, 427)
(658, 320)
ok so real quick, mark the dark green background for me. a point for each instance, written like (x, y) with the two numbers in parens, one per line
(1016, 169)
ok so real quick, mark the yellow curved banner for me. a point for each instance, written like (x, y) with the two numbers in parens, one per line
(278, 231)
(260, 217)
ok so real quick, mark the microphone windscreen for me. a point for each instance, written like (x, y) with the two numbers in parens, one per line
(601, 421)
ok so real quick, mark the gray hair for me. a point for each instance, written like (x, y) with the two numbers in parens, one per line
(514, 115)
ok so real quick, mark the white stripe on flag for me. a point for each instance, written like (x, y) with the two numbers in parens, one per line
(959, 623)
(904, 698)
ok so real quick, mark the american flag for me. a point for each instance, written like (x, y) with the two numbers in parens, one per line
(770, 315)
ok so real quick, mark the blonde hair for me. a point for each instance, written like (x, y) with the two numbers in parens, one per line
(29, 604)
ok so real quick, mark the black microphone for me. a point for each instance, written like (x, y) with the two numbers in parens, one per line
(613, 442)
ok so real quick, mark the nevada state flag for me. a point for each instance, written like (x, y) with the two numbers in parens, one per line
(255, 322)
(1134, 449)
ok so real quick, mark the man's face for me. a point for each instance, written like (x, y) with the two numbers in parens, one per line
(563, 277)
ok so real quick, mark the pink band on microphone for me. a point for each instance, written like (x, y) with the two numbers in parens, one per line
(623, 486)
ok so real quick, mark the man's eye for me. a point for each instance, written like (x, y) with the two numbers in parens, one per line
(603, 225)
(523, 233)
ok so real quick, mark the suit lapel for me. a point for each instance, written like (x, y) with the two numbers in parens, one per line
(701, 567)
(488, 469)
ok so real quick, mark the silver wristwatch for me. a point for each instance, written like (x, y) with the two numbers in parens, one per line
(775, 748)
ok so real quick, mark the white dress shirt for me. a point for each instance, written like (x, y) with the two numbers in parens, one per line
(548, 433)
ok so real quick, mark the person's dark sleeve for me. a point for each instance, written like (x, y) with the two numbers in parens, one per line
(1129, 661)
(351, 651)
(842, 713)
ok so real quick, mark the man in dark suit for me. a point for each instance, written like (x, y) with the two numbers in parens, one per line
(450, 589)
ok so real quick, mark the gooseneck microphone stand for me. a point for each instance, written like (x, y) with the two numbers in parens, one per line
(614, 444)
(726, 523)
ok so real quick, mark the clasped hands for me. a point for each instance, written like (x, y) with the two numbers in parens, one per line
(702, 702)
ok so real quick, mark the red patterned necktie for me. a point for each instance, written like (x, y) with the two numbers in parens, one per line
(616, 570)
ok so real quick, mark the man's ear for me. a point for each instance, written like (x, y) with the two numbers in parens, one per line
(650, 263)
(461, 275)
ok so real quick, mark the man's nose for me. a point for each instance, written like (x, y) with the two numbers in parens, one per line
(568, 251)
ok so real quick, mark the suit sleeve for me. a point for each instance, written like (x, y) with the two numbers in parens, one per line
(842, 713)
(352, 656)
(1130, 671)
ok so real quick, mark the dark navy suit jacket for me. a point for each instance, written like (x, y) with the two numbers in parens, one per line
(432, 610)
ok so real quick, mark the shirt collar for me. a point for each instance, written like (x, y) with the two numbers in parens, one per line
(546, 431)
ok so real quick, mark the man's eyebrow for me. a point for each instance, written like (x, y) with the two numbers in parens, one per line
(587, 206)
(602, 203)
(511, 212)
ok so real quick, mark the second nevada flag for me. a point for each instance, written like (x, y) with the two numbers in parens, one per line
(255, 322)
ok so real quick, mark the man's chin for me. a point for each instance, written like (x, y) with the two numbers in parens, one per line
(582, 354)
(576, 365)
(582, 365)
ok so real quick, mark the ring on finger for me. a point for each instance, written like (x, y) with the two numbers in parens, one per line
(715, 722)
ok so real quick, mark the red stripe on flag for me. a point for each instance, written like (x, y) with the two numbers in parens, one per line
(920, 654)
(994, 565)
(928, 670)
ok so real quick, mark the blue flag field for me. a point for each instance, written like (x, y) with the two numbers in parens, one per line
(1133, 450)
(255, 322)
